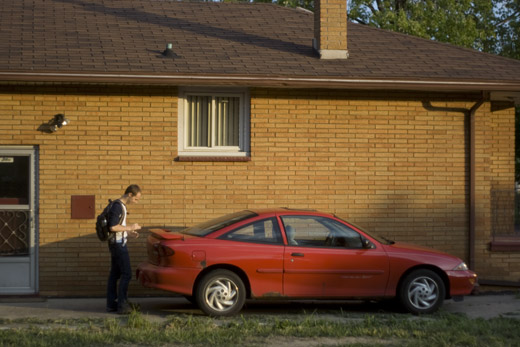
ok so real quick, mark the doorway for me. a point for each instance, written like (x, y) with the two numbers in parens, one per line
(18, 221)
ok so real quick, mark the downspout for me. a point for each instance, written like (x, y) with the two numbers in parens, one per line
(472, 179)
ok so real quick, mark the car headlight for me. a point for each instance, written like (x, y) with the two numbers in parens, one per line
(461, 267)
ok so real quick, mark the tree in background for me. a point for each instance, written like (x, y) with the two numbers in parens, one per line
(508, 28)
(487, 25)
(444, 20)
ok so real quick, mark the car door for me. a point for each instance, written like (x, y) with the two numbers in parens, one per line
(326, 258)
(257, 249)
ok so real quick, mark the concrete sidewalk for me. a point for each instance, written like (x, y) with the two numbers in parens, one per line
(158, 308)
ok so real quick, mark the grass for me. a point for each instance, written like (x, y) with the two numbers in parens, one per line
(440, 329)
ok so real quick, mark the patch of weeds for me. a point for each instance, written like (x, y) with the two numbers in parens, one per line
(137, 321)
(441, 329)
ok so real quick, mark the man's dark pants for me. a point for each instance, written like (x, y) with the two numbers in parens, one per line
(120, 270)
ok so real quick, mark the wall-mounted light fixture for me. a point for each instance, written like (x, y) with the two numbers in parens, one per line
(54, 124)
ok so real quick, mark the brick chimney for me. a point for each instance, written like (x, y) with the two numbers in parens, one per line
(330, 29)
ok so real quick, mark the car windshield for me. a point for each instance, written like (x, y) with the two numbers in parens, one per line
(210, 226)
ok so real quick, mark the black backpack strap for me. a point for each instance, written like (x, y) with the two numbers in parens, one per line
(111, 203)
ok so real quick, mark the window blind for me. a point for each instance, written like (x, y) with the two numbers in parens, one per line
(212, 121)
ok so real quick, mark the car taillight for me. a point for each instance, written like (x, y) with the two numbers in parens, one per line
(163, 251)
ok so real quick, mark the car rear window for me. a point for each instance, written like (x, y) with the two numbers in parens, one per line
(210, 226)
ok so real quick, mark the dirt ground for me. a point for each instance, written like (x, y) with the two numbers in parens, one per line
(157, 308)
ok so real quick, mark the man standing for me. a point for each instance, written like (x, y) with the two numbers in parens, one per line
(120, 269)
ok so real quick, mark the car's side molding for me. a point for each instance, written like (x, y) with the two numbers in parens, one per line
(340, 272)
(269, 271)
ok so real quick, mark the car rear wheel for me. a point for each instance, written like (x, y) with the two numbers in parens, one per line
(422, 291)
(221, 293)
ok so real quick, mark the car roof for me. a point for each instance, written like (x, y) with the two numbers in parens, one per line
(287, 210)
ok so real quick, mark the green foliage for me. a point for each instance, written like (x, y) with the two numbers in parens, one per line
(508, 28)
(487, 25)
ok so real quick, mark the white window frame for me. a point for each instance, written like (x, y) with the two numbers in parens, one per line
(242, 150)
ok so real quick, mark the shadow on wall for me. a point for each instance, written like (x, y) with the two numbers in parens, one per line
(421, 220)
(80, 266)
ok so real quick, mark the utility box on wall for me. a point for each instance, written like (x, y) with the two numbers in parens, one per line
(83, 206)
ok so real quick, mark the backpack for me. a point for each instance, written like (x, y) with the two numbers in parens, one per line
(102, 228)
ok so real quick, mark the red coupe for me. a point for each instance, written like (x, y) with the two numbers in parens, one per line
(293, 254)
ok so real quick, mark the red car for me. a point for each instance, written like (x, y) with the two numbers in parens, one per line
(293, 254)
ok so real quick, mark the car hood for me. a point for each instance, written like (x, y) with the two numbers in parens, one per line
(412, 247)
(422, 253)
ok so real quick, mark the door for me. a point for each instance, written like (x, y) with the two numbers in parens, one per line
(18, 247)
(326, 258)
(258, 251)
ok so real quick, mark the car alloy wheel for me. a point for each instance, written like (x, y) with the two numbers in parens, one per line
(422, 292)
(220, 293)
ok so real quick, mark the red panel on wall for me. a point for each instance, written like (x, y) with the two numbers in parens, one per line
(83, 206)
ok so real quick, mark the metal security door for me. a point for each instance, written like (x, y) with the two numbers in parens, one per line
(18, 248)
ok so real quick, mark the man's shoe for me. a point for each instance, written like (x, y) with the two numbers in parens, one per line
(124, 309)
(133, 305)
(111, 309)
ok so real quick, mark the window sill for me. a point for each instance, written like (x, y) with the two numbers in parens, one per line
(186, 158)
(505, 244)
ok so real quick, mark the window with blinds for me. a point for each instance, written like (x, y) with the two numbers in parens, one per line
(214, 123)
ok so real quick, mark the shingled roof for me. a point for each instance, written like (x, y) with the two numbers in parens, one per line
(224, 43)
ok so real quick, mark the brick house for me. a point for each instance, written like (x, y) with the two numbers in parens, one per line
(218, 107)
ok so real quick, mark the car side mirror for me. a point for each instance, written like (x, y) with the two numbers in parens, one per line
(366, 244)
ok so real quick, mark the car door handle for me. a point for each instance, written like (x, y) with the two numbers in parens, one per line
(296, 254)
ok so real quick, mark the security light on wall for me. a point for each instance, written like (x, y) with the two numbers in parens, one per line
(54, 124)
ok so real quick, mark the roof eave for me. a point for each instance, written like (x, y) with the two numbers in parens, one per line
(261, 81)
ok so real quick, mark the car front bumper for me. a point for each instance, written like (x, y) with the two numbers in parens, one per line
(462, 282)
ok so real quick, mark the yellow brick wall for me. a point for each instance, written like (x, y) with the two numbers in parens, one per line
(391, 166)
(387, 161)
(495, 170)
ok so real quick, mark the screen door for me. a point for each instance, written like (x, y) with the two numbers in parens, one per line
(18, 247)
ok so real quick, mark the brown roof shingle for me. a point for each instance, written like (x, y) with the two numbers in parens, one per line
(230, 43)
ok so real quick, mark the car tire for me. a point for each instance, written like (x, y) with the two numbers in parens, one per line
(221, 293)
(422, 291)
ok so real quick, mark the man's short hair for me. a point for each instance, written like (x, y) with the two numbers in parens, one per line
(133, 188)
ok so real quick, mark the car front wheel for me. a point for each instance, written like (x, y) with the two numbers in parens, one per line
(422, 291)
(221, 293)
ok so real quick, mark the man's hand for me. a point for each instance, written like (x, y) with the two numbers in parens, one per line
(133, 229)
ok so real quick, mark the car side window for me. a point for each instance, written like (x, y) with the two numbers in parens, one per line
(315, 231)
(304, 231)
(262, 231)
